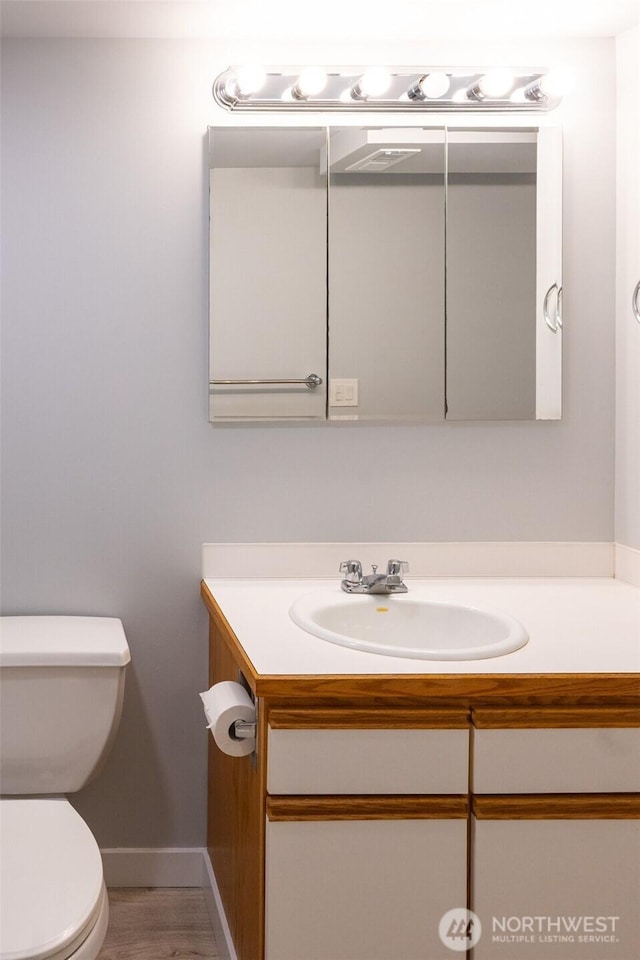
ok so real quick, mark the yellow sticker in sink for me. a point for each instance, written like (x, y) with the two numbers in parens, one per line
(382, 609)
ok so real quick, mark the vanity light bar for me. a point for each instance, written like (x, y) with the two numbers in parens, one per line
(378, 88)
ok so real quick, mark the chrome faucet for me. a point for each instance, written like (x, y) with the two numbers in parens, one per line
(389, 582)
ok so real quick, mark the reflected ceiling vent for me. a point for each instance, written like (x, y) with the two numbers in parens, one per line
(381, 160)
(388, 150)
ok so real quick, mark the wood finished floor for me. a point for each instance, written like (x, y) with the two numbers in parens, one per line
(154, 924)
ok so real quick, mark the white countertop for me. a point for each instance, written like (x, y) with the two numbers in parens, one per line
(574, 626)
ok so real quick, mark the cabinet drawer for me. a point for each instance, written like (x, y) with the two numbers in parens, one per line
(367, 761)
(586, 760)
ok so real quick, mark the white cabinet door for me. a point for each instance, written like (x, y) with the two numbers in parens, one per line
(362, 889)
(549, 275)
(504, 263)
(557, 889)
(627, 501)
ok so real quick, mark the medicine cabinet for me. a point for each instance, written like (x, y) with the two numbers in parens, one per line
(385, 273)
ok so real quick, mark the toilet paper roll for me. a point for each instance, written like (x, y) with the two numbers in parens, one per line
(224, 703)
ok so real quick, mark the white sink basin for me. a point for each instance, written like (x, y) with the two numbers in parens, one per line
(406, 626)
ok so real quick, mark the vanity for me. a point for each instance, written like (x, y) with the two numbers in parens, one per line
(385, 792)
(399, 807)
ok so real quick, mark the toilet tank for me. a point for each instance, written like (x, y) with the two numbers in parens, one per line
(61, 691)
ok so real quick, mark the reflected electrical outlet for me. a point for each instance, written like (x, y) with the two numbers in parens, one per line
(343, 393)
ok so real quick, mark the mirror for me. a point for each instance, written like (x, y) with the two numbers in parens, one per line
(503, 255)
(414, 273)
(267, 274)
(387, 273)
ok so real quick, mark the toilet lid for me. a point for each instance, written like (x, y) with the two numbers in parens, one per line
(50, 878)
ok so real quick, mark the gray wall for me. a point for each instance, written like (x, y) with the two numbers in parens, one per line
(113, 477)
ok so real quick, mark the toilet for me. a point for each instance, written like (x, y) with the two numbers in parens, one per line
(61, 691)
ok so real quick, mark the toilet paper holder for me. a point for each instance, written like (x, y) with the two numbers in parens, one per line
(243, 730)
(232, 714)
(246, 729)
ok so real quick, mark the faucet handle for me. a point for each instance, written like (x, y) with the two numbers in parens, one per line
(395, 568)
(353, 570)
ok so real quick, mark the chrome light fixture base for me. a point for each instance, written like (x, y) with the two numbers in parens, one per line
(342, 92)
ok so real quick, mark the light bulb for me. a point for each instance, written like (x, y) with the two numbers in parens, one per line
(311, 81)
(519, 95)
(248, 80)
(551, 86)
(434, 85)
(556, 83)
(373, 83)
(496, 83)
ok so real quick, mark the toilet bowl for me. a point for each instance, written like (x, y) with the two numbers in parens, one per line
(52, 890)
(62, 681)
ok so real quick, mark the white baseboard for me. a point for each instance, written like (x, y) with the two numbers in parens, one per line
(222, 933)
(627, 564)
(321, 560)
(171, 867)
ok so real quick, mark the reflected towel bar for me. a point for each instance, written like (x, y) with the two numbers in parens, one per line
(312, 381)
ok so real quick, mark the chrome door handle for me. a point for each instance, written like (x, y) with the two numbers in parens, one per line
(545, 309)
(634, 301)
(559, 307)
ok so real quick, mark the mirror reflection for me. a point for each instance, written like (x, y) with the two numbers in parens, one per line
(491, 275)
(267, 274)
(412, 274)
(386, 273)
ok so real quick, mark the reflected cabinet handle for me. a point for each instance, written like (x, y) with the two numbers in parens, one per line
(557, 322)
(559, 307)
(312, 381)
(634, 301)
